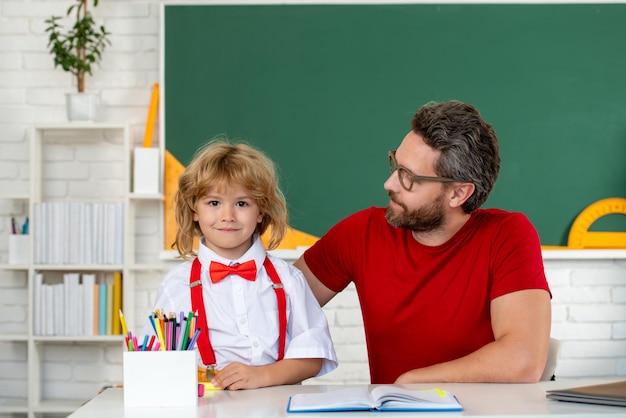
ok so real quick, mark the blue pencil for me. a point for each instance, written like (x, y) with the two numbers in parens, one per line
(193, 340)
(151, 318)
(144, 346)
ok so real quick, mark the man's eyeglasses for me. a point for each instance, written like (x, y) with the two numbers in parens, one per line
(407, 178)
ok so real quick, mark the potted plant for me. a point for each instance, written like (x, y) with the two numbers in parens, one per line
(75, 51)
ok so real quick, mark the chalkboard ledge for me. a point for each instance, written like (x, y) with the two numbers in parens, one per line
(548, 254)
(565, 254)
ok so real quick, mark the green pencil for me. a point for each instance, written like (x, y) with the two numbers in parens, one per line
(183, 346)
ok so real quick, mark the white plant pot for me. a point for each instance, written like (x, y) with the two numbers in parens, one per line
(81, 106)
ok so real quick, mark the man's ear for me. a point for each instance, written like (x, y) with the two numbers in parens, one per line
(460, 192)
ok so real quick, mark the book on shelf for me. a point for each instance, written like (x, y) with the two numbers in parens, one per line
(377, 398)
(74, 306)
(109, 311)
(89, 284)
(96, 309)
(116, 303)
(102, 311)
(48, 313)
(58, 303)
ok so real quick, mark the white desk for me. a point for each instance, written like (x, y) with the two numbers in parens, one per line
(478, 400)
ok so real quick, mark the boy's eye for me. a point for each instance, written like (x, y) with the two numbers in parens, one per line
(213, 203)
(242, 203)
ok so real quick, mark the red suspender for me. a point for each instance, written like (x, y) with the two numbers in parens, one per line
(282, 306)
(197, 305)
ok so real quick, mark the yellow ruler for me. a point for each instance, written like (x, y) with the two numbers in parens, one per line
(152, 114)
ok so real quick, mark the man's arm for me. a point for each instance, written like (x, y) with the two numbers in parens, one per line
(321, 292)
(521, 326)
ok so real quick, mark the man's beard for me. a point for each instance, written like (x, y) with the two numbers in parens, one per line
(424, 219)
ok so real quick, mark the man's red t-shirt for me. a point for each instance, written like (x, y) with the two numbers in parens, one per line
(424, 305)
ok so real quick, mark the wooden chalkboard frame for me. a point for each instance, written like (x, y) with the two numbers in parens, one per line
(327, 89)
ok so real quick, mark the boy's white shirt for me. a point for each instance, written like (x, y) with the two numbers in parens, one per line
(242, 315)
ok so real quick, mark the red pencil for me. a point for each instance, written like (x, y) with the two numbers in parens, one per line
(150, 343)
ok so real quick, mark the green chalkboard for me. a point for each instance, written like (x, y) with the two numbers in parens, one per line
(326, 90)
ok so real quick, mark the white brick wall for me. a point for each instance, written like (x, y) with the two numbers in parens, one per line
(589, 316)
(589, 305)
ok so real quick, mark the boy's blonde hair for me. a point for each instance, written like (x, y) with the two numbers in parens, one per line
(222, 164)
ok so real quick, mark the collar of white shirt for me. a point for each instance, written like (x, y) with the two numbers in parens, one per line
(256, 252)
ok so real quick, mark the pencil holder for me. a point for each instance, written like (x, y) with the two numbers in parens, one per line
(18, 249)
(160, 378)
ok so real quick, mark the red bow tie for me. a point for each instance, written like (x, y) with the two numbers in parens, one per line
(218, 271)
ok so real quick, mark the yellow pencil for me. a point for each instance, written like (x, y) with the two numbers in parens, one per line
(159, 332)
(123, 321)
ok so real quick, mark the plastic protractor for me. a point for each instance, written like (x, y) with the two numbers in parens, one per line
(579, 234)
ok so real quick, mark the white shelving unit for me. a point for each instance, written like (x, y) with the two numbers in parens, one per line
(48, 145)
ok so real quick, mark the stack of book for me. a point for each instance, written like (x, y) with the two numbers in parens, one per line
(78, 232)
(84, 304)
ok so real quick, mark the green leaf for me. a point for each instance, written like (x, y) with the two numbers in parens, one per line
(80, 46)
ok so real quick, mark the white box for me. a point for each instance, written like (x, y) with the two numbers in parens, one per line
(160, 379)
(18, 249)
(146, 170)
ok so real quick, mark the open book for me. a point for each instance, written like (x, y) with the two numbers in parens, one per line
(379, 398)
